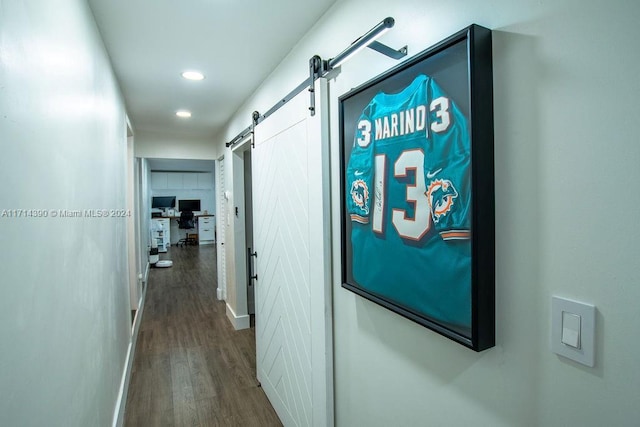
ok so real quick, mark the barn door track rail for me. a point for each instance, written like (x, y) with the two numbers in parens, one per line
(320, 68)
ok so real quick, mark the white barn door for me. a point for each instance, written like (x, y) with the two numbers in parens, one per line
(292, 240)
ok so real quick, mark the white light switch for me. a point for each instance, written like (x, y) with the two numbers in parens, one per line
(573, 330)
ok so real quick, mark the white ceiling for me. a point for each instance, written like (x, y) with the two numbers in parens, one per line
(235, 43)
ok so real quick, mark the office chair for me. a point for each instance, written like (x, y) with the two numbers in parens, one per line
(187, 222)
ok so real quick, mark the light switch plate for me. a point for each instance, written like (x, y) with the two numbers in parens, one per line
(563, 323)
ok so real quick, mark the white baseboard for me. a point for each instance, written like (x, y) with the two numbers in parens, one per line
(121, 401)
(238, 322)
(219, 294)
(118, 413)
(145, 278)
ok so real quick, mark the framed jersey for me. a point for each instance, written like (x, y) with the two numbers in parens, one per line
(417, 189)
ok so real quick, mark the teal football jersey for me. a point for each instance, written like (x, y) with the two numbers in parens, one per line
(408, 197)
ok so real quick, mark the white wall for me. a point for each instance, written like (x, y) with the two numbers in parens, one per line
(567, 156)
(65, 324)
(162, 145)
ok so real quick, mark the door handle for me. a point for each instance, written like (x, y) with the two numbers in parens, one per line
(250, 265)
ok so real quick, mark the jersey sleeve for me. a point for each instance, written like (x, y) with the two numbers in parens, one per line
(359, 174)
(447, 167)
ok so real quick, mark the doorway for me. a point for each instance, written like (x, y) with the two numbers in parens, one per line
(248, 218)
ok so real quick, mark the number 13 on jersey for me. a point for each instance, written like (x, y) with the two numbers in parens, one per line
(408, 227)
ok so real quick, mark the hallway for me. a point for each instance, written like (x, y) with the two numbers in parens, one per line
(191, 368)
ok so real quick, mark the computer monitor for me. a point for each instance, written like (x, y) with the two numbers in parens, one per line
(163, 202)
(189, 205)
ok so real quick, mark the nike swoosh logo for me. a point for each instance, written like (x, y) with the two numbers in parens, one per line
(432, 174)
(358, 173)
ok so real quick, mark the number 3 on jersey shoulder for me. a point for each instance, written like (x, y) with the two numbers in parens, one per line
(441, 107)
(364, 126)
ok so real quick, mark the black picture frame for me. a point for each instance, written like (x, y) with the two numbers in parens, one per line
(418, 230)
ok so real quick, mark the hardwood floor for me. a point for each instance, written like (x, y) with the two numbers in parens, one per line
(191, 368)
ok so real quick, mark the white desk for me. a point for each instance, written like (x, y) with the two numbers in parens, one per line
(205, 224)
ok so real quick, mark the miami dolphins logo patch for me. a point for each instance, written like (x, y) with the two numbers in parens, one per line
(360, 195)
(441, 194)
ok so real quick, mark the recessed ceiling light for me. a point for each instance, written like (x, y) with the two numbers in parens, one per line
(193, 75)
(183, 114)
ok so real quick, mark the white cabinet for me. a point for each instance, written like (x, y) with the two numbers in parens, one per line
(181, 181)
(205, 181)
(175, 181)
(159, 181)
(161, 231)
(189, 181)
(206, 230)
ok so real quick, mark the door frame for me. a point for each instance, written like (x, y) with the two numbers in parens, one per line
(221, 227)
(235, 235)
(248, 221)
(132, 223)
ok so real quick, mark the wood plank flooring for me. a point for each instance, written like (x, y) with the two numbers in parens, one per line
(191, 368)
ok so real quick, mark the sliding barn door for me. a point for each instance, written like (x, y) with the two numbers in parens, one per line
(291, 235)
